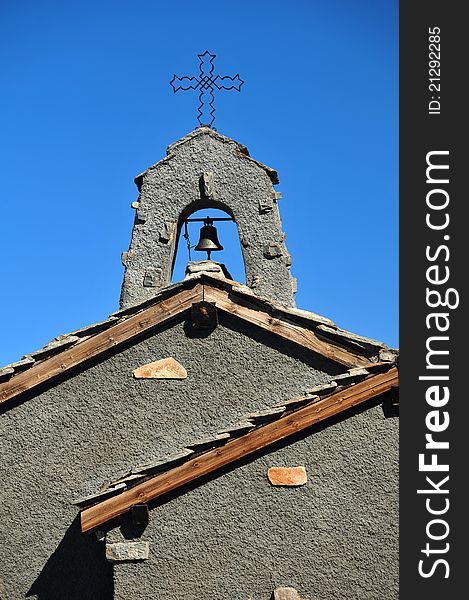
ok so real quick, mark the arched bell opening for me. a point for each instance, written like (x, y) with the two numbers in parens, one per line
(191, 223)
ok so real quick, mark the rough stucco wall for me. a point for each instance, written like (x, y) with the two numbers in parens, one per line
(172, 186)
(238, 537)
(76, 435)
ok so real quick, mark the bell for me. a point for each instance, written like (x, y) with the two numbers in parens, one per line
(208, 241)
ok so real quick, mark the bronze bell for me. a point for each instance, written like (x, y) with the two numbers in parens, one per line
(208, 241)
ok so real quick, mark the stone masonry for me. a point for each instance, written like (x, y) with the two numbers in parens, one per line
(207, 170)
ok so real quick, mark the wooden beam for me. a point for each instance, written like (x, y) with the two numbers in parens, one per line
(286, 329)
(110, 338)
(157, 314)
(251, 442)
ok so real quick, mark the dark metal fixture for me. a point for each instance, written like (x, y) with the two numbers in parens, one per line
(204, 315)
(395, 395)
(139, 514)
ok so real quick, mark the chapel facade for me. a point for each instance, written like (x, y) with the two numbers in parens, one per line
(209, 439)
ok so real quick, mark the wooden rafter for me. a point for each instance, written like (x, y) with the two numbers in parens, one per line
(261, 437)
(160, 312)
(112, 337)
(286, 329)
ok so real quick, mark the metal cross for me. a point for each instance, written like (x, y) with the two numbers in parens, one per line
(206, 82)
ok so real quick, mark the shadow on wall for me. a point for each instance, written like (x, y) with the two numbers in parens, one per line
(77, 570)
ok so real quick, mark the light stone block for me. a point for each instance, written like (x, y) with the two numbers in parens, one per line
(286, 593)
(127, 551)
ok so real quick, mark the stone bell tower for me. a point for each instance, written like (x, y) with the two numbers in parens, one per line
(206, 170)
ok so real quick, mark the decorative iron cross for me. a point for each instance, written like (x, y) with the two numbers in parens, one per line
(206, 82)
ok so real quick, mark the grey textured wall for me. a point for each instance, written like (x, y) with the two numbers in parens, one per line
(172, 188)
(76, 434)
(237, 537)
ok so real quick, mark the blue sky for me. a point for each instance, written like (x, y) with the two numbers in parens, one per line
(86, 105)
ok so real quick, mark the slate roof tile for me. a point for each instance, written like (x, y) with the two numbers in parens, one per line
(209, 442)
